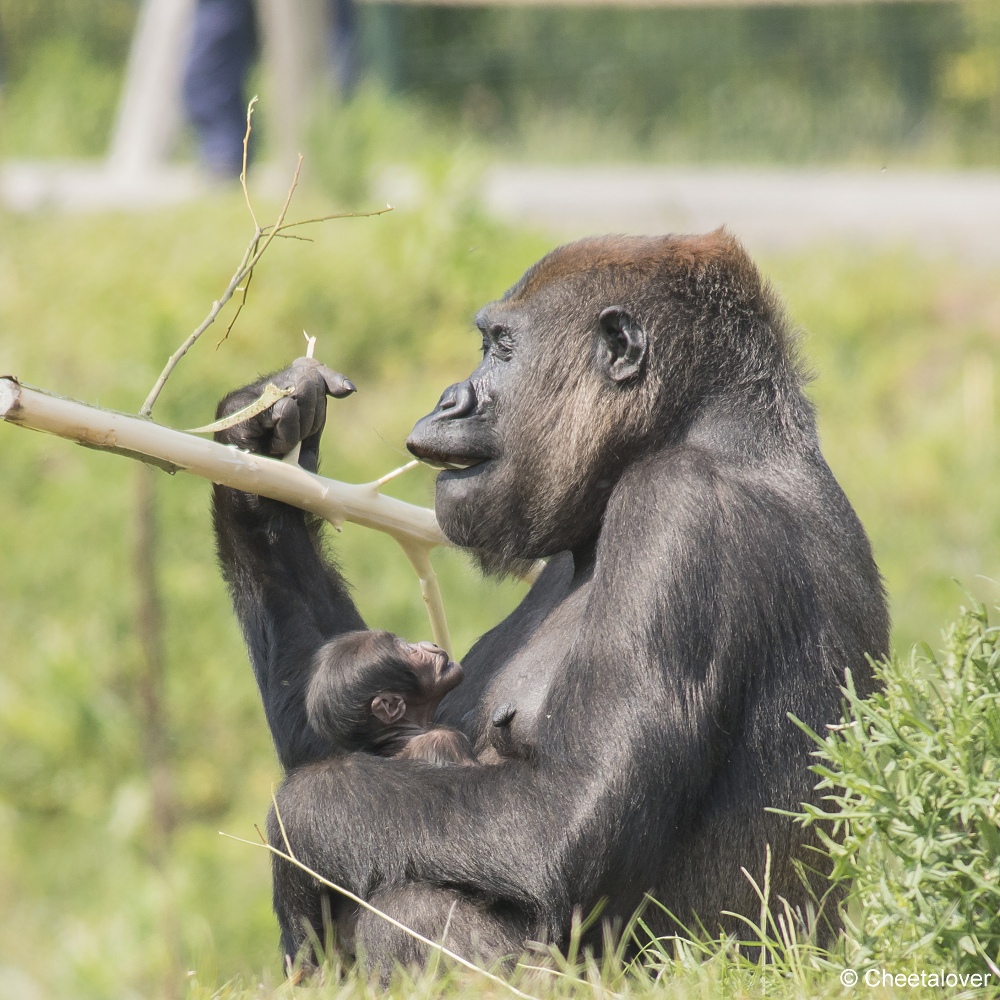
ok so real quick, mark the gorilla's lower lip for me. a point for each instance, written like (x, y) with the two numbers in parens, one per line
(451, 465)
(447, 463)
(462, 472)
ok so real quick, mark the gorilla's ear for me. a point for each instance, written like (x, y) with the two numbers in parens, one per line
(625, 345)
(388, 707)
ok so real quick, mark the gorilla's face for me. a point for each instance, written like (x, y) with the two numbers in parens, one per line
(470, 438)
(531, 443)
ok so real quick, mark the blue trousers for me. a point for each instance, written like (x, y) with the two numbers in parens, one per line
(224, 45)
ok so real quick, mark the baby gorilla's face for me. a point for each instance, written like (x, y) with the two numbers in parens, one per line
(435, 675)
(435, 672)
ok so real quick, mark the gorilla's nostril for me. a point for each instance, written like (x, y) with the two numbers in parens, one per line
(458, 400)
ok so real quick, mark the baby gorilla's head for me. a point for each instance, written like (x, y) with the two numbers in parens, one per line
(370, 688)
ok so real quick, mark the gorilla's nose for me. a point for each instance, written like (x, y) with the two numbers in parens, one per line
(455, 435)
(457, 401)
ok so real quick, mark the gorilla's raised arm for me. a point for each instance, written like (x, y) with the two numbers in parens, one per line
(289, 600)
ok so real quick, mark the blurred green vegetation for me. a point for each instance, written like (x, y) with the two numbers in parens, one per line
(91, 306)
(61, 68)
(854, 82)
(914, 82)
(904, 349)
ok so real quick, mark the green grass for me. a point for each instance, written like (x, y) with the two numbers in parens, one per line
(91, 306)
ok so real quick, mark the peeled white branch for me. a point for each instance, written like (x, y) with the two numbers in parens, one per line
(414, 528)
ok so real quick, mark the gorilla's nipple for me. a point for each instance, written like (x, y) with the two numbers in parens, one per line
(504, 714)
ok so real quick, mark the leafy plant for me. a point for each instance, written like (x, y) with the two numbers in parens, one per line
(913, 779)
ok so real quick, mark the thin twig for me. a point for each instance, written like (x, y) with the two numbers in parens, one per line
(260, 248)
(337, 215)
(245, 269)
(243, 172)
(239, 307)
(256, 248)
(147, 407)
(271, 231)
(389, 476)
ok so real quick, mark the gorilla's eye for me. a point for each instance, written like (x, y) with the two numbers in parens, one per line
(498, 340)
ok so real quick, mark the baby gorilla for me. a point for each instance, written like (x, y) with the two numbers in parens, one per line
(373, 691)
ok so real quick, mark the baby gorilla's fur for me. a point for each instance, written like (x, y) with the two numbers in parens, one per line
(375, 692)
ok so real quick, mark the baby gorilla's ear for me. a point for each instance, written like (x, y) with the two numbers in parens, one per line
(388, 707)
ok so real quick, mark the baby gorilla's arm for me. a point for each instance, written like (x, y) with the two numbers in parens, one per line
(439, 746)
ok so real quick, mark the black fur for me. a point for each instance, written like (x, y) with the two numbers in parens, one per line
(350, 671)
(347, 673)
(638, 418)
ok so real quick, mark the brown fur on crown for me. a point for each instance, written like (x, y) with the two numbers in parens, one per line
(676, 255)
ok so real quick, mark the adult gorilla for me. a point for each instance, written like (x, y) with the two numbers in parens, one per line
(638, 417)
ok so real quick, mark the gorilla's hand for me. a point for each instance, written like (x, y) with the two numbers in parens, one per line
(294, 418)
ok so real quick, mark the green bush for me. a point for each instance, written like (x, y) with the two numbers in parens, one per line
(913, 776)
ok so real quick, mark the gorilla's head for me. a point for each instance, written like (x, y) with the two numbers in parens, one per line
(605, 350)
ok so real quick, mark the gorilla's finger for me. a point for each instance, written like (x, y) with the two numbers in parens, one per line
(337, 385)
(312, 407)
(305, 370)
(286, 426)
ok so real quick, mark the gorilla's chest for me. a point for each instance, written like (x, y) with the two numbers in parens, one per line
(510, 673)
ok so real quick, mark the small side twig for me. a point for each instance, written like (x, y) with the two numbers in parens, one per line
(239, 309)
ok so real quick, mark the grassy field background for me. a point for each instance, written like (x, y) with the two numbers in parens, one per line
(100, 899)
(904, 353)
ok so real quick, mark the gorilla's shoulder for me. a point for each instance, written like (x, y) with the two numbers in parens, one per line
(673, 485)
(690, 504)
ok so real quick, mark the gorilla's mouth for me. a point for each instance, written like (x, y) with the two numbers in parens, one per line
(445, 462)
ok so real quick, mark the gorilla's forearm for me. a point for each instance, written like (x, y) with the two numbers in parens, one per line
(519, 834)
(289, 601)
(399, 822)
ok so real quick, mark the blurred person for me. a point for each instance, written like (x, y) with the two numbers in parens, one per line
(225, 42)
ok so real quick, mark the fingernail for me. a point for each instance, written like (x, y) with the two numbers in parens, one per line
(349, 385)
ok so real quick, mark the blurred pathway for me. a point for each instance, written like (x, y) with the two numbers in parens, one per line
(770, 210)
